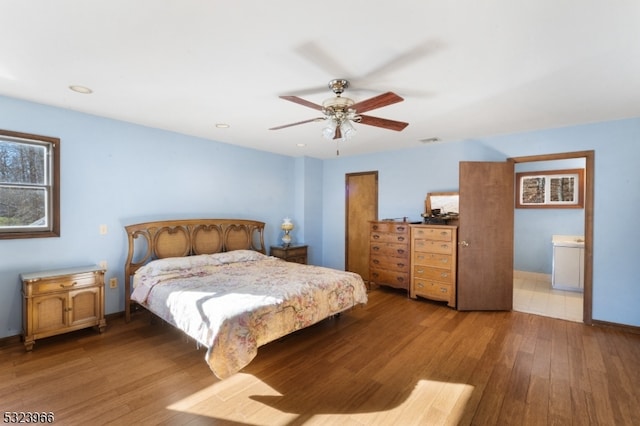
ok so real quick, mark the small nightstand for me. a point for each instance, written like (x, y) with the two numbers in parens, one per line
(297, 254)
(60, 301)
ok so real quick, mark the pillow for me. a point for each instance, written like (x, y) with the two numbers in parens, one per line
(176, 264)
(238, 256)
(172, 264)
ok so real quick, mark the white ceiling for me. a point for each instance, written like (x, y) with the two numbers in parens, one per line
(467, 69)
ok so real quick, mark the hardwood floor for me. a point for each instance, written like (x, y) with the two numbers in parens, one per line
(396, 361)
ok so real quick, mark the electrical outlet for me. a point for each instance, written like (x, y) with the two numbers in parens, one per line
(113, 282)
(103, 264)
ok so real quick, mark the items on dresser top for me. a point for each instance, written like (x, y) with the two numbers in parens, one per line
(389, 262)
(62, 300)
(441, 208)
(433, 262)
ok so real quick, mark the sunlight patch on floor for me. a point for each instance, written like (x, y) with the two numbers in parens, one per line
(431, 402)
(230, 400)
(237, 399)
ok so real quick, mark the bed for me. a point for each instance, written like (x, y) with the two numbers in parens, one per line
(212, 279)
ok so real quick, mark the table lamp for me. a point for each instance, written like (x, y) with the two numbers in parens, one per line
(287, 227)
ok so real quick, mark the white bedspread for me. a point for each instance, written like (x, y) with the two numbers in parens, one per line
(234, 302)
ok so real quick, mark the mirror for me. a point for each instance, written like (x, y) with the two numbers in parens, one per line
(442, 204)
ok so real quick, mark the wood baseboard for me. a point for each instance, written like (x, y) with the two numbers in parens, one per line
(619, 327)
(10, 340)
(17, 338)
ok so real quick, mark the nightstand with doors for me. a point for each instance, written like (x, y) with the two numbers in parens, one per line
(296, 254)
(60, 301)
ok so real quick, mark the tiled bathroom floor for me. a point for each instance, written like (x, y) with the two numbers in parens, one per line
(532, 293)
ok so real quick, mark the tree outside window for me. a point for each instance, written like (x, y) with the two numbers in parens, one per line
(29, 185)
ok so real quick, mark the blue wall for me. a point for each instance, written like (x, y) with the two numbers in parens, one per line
(407, 175)
(117, 173)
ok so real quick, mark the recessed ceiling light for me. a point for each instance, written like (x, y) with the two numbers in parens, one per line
(222, 125)
(301, 145)
(80, 89)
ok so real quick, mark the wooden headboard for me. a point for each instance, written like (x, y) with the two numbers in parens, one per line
(186, 237)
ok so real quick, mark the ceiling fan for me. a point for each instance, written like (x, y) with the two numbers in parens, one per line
(340, 112)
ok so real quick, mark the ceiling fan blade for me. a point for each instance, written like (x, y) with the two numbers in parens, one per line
(301, 101)
(299, 122)
(383, 122)
(376, 102)
(402, 60)
(322, 58)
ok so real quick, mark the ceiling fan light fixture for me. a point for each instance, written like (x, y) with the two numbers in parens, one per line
(329, 131)
(340, 113)
(347, 130)
(338, 103)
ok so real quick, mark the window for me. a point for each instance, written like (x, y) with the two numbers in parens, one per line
(550, 189)
(29, 185)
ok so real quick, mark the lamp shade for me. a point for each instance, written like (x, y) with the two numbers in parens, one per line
(287, 225)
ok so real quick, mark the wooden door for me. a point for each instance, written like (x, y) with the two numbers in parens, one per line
(361, 191)
(485, 238)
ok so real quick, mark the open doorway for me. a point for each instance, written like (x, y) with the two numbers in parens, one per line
(546, 300)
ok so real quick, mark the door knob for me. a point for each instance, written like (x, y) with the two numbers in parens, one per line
(463, 243)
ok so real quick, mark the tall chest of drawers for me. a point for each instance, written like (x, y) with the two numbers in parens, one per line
(389, 262)
(434, 262)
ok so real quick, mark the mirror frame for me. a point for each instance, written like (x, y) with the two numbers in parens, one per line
(428, 204)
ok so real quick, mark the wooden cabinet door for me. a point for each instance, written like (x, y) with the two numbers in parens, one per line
(84, 306)
(485, 239)
(49, 313)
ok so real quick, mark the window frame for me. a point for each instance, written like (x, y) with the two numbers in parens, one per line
(576, 175)
(53, 186)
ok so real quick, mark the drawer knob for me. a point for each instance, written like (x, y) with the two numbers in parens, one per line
(400, 238)
(400, 265)
(376, 261)
(400, 251)
(400, 228)
(376, 236)
(421, 271)
(68, 286)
